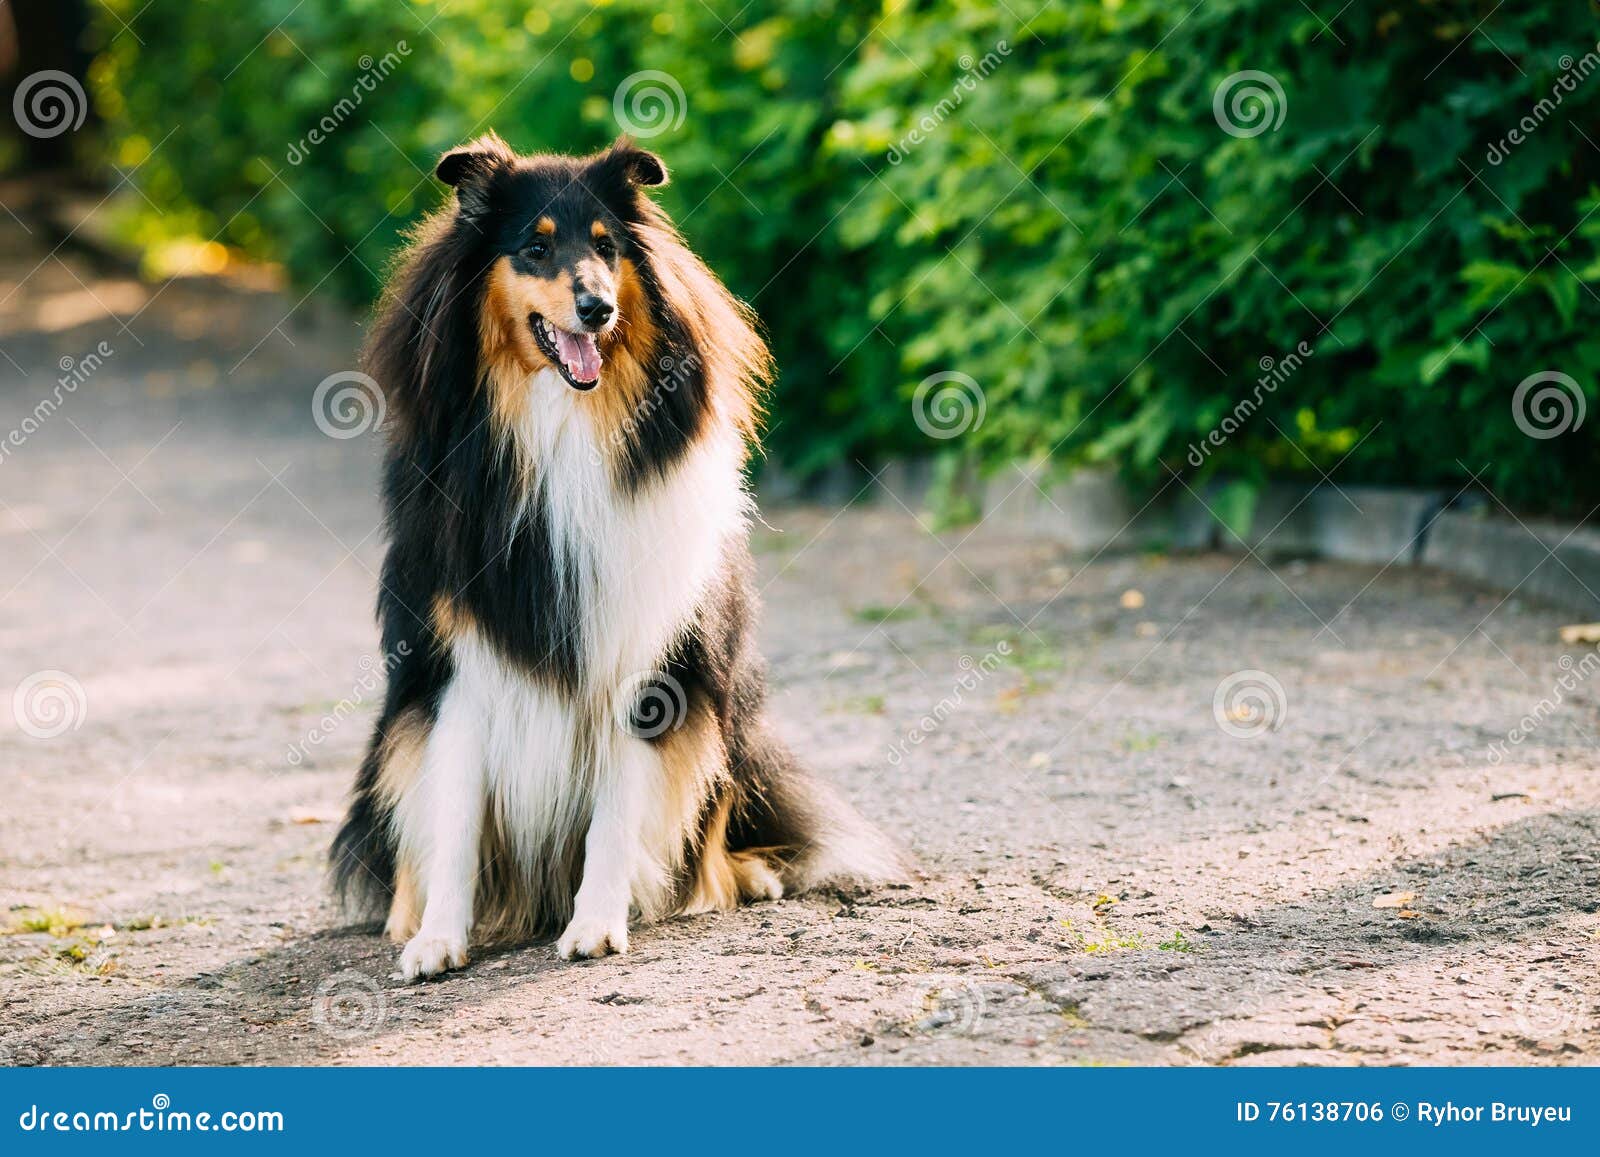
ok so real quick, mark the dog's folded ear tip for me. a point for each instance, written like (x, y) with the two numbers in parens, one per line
(477, 155)
(643, 167)
(451, 167)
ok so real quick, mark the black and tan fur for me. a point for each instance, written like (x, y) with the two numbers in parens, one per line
(563, 555)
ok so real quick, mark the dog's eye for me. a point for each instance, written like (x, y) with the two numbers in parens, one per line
(605, 248)
(537, 250)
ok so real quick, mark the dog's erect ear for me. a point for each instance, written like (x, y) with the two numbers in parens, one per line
(468, 169)
(636, 166)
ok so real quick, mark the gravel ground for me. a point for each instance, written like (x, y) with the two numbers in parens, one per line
(1113, 868)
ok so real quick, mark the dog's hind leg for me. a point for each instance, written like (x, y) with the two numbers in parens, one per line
(441, 823)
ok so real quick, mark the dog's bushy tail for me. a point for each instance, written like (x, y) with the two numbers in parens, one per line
(818, 838)
(361, 859)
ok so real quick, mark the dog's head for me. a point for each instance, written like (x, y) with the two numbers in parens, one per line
(563, 275)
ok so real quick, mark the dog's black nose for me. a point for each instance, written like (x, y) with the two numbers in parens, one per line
(594, 311)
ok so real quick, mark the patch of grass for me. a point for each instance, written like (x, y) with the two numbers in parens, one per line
(1036, 658)
(1101, 939)
(878, 613)
(1112, 942)
(56, 921)
(1140, 741)
(149, 923)
(1178, 943)
(860, 705)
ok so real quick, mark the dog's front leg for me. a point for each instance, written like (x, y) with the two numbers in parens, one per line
(610, 853)
(443, 820)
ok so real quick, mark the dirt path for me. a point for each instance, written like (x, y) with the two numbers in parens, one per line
(1107, 874)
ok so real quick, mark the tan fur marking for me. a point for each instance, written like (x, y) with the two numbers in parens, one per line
(694, 763)
(446, 621)
(597, 230)
(405, 910)
(400, 757)
(509, 352)
(399, 765)
(546, 227)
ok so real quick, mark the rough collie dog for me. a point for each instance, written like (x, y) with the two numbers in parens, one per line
(573, 727)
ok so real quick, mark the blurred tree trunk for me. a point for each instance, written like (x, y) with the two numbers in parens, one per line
(38, 36)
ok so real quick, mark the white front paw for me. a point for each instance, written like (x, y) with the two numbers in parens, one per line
(593, 936)
(429, 955)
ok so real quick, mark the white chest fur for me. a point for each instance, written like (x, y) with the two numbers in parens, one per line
(544, 766)
(639, 563)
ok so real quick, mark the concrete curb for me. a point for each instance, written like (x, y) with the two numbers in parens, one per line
(1382, 526)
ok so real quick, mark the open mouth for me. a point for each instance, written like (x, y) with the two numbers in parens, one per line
(576, 355)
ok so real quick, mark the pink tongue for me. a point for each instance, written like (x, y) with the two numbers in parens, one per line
(580, 353)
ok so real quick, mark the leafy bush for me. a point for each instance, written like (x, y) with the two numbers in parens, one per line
(1044, 196)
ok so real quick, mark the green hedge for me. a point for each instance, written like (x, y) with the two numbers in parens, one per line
(1042, 197)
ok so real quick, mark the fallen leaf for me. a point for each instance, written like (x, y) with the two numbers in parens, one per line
(1394, 900)
(1132, 600)
(302, 815)
(1581, 633)
(1407, 914)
